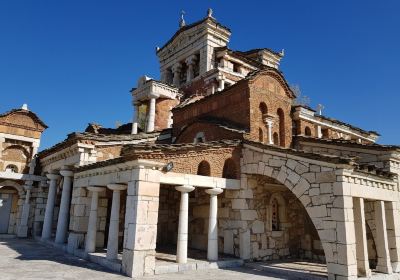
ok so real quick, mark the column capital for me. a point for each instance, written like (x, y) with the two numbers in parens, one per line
(117, 187)
(191, 59)
(177, 67)
(95, 188)
(66, 173)
(184, 188)
(52, 176)
(214, 191)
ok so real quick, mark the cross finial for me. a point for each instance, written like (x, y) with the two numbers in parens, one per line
(182, 22)
(320, 107)
(209, 12)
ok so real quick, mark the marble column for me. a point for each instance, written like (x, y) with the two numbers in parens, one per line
(48, 215)
(113, 231)
(22, 230)
(393, 231)
(152, 115)
(176, 69)
(63, 215)
(221, 83)
(181, 252)
(361, 238)
(90, 244)
(212, 248)
(135, 118)
(382, 245)
(190, 62)
(270, 138)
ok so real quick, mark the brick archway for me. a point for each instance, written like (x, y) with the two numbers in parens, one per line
(315, 185)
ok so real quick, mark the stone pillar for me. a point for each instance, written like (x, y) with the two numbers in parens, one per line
(22, 230)
(48, 215)
(212, 248)
(270, 138)
(393, 231)
(135, 118)
(140, 235)
(113, 231)
(319, 131)
(176, 69)
(382, 246)
(361, 238)
(181, 251)
(152, 115)
(63, 215)
(221, 82)
(90, 244)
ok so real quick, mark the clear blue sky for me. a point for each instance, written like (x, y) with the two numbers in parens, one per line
(74, 62)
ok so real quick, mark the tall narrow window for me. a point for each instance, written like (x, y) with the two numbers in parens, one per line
(204, 168)
(275, 214)
(307, 131)
(281, 116)
(276, 139)
(260, 135)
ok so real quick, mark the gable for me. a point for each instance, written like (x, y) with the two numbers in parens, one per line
(271, 82)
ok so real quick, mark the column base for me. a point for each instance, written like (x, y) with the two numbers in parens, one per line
(364, 273)
(384, 269)
(396, 266)
(22, 231)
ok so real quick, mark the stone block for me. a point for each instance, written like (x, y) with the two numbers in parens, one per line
(325, 177)
(291, 164)
(228, 242)
(239, 204)
(248, 215)
(300, 187)
(257, 227)
(244, 245)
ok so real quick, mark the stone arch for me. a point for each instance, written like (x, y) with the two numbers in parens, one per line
(15, 185)
(204, 168)
(314, 184)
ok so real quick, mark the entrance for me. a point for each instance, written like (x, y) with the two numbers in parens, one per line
(5, 211)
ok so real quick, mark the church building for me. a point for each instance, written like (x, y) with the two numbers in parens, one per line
(219, 166)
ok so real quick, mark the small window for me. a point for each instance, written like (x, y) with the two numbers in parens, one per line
(260, 135)
(276, 139)
(307, 131)
(12, 168)
(275, 214)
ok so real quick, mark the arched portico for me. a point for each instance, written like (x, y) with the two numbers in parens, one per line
(314, 183)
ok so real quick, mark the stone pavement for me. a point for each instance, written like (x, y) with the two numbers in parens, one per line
(27, 259)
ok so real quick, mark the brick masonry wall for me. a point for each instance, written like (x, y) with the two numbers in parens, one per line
(163, 111)
(235, 98)
(268, 90)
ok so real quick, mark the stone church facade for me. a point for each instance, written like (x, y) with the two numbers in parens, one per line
(218, 159)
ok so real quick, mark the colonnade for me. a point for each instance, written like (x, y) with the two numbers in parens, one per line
(387, 239)
(182, 240)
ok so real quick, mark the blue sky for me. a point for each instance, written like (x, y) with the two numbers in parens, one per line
(74, 62)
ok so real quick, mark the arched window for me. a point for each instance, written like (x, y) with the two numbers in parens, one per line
(275, 214)
(229, 171)
(263, 108)
(276, 138)
(307, 131)
(281, 116)
(204, 168)
(12, 168)
(260, 135)
(199, 138)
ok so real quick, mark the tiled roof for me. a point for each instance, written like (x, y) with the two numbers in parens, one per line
(349, 143)
(260, 49)
(76, 137)
(348, 125)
